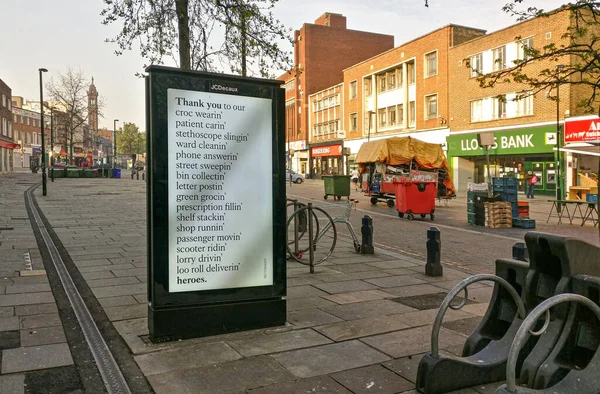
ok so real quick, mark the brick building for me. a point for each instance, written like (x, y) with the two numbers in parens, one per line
(524, 124)
(403, 91)
(27, 133)
(321, 51)
(7, 143)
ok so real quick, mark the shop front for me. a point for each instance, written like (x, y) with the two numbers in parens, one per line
(327, 159)
(514, 154)
(582, 150)
(299, 156)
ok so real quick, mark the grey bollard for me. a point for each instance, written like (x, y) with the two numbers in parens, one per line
(519, 252)
(433, 267)
(366, 230)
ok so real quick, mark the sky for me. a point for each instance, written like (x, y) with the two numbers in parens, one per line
(69, 33)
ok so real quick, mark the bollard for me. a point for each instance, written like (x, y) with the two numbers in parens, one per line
(434, 251)
(519, 252)
(311, 246)
(137, 174)
(143, 176)
(366, 230)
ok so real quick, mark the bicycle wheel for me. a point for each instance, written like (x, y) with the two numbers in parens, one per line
(327, 236)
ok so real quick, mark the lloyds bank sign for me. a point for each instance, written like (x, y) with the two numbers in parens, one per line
(507, 142)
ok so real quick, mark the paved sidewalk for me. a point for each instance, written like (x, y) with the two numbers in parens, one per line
(359, 324)
(33, 346)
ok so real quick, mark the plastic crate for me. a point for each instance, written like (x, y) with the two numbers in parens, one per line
(471, 207)
(523, 223)
(592, 198)
(505, 182)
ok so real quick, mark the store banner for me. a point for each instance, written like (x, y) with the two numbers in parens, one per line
(328, 150)
(582, 130)
(507, 142)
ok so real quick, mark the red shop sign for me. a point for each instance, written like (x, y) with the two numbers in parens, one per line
(328, 150)
(585, 130)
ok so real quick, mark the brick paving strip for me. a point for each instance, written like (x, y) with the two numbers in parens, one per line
(359, 324)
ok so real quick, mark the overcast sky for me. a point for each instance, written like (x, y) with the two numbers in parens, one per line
(61, 33)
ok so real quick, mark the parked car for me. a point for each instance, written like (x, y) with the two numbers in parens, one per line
(296, 178)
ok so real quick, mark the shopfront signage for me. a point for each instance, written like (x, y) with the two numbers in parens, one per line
(328, 150)
(508, 142)
(216, 243)
(297, 145)
(583, 130)
(36, 151)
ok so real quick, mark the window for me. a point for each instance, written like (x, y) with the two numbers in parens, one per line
(288, 86)
(524, 46)
(3, 100)
(15, 118)
(400, 114)
(524, 104)
(431, 107)
(411, 73)
(353, 90)
(381, 114)
(368, 87)
(331, 127)
(499, 107)
(392, 115)
(431, 64)
(353, 122)
(28, 121)
(9, 129)
(412, 113)
(499, 56)
(476, 110)
(3, 126)
(400, 78)
(391, 79)
(382, 84)
(476, 62)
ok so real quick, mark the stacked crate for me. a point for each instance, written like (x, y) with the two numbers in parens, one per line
(498, 214)
(506, 188)
(523, 209)
(475, 197)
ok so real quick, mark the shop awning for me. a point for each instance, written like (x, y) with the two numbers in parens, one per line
(588, 149)
(9, 145)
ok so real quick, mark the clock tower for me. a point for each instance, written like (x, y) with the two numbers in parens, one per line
(93, 108)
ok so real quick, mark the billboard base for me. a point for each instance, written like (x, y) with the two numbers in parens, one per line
(174, 323)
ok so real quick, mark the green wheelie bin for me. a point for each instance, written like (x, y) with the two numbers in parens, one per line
(337, 186)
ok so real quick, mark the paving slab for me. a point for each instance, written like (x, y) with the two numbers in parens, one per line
(126, 312)
(6, 311)
(25, 299)
(358, 296)
(406, 367)
(24, 310)
(37, 321)
(127, 280)
(35, 357)
(310, 318)
(412, 341)
(395, 281)
(10, 323)
(187, 357)
(42, 336)
(32, 272)
(413, 290)
(304, 292)
(230, 377)
(105, 274)
(427, 316)
(384, 265)
(372, 379)
(350, 268)
(265, 344)
(327, 359)
(345, 286)
(318, 384)
(119, 301)
(9, 340)
(299, 304)
(13, 384)
(113, 291)
(340, 276)
(346, 330)
(361, 310)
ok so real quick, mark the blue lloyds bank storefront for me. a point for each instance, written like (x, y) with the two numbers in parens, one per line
(516, 152)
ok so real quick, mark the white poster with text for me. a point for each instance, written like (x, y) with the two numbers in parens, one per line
(220, 191)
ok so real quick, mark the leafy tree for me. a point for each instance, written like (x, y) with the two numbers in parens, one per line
(130, 140)
(574, 60)
(184, 30)
(69, 94)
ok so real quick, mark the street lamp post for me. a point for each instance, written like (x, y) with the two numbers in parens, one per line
(115, 142)
(52, 143)
(44, 190)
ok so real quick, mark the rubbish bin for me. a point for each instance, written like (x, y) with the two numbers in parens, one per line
(116, 173)
(90, 173)
(337, 186)
(415, 198)
(72, 172)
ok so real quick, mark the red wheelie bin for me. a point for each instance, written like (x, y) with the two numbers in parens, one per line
(415, 198)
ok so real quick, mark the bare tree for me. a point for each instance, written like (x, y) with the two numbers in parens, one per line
(69, 93)
(574, 60)
(184, 30)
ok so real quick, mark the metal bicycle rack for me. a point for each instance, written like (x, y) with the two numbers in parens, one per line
(554, 260)
(576, 376)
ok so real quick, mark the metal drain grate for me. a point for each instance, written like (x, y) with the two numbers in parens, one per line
(114, 380)
(426, 301)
